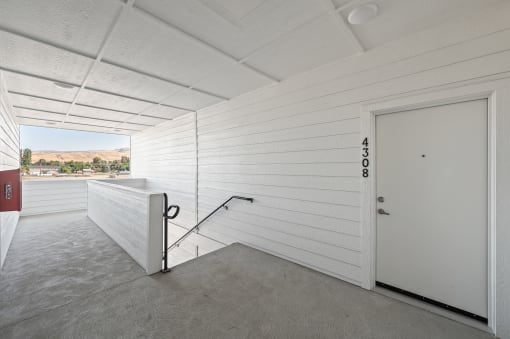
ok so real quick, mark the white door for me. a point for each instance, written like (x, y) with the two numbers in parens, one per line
(432, 176)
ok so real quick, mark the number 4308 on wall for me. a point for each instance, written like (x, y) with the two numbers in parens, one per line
(364, 161)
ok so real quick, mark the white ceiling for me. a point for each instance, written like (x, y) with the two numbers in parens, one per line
(134, 64)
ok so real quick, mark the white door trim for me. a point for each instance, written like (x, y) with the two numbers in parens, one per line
(369, 111)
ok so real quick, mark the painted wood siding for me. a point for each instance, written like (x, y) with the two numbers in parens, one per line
(295, 146)
(301, 166)
(166, 156)
(131, 217)
(9, 159)
(9, 134)
(139, 183)
(60, 195)
(50, 196)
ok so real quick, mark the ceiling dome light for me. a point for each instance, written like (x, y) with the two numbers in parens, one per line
(63, 85)
(363, 14)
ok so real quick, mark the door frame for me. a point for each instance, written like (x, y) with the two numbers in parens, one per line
(369, 111)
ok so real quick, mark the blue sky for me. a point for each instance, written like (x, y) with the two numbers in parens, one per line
(54, 139)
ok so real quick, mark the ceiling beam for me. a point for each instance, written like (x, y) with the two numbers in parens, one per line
(190, 37)
(340, 23)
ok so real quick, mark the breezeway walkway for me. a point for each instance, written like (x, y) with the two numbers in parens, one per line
(64, 278)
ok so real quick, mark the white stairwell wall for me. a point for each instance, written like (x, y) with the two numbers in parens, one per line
(9, 159)
(60, 195)
(295, 148)
(166, 156)
(53, 196)
(131, 216)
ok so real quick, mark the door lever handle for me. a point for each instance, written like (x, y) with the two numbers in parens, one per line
(382, 211)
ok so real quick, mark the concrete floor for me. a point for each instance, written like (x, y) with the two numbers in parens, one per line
(64, 278)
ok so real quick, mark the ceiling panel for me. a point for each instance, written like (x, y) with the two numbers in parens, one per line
(310, 46)
(38, 103)
(74, 126)
(164, 112)
(37, 122)
(99, 113)
(145, 44)
(403, 17)
(28, 113)
(35, 58)
(91, 121)
(130, 126)
(34, 86)
(145, 120)
(98, 99)
(190, 99)
(94, 128)
(233, 80)
(235, 10)
(114, 79)
(278, 37)
(250, 25)
(76, 24)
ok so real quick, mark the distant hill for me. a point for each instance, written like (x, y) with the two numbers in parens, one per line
(84, 156)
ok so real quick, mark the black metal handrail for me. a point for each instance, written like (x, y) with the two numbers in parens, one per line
(185, 235)
(167, 217)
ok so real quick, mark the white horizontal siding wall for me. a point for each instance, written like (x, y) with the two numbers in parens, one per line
(301, 166)
(9, 159)
(131, 216)
(166, 156)
(51, 196)
(139, 183)
(295, 146)
(9, 133)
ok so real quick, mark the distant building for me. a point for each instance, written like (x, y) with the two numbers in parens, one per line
(43, 169)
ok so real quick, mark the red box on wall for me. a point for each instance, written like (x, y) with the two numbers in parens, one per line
(10, 190)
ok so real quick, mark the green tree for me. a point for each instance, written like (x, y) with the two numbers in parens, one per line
(96, 160)
(66, 169)
(78, 166)
(41, 162)
(124, 159)
(26, 158)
